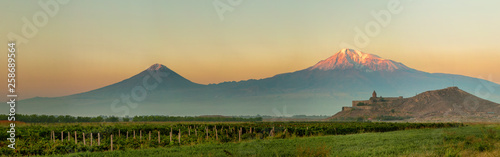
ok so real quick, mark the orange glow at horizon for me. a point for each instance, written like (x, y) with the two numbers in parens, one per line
(92, 44)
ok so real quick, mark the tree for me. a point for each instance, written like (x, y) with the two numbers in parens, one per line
(112, 119)
(97, 119)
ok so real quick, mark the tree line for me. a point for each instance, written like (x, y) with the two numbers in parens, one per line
(203, 119)
(77, 119)
(61, 119)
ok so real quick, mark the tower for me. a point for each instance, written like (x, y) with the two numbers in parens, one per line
(374, 95)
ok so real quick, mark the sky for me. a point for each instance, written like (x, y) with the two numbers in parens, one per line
(83, 45)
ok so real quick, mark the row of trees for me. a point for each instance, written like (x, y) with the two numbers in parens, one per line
(62, 119)
(203, 119)
(71, 119)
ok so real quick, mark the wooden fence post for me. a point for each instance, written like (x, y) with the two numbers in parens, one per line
(206, 131)
(239, 135)
(119, 133)
(83, 138)
(98, 138)
(170, 135)
(75, 138)
(134, 134)
(62, 138)
(52, 136)
(140, 135)
(189, 131)
(158, 137)
(149, 136)
(272, 132)
(179, 136)
(216, 136)
(111, 142)
(195, 132)
(69, 137)
(127, 135)
(91, 139)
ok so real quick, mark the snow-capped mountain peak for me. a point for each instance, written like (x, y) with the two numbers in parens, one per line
(156, 67)
(354, 59)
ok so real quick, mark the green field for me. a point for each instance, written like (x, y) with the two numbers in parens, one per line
(472, 140)
(266, 139)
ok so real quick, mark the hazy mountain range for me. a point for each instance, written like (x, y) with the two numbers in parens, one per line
(321, 89)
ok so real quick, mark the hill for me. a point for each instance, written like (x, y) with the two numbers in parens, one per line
(449, 104)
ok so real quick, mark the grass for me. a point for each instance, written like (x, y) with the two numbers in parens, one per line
(474, 140)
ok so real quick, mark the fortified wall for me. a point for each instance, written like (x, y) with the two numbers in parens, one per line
(373, 101)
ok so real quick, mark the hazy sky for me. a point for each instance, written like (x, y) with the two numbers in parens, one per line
(93, 43)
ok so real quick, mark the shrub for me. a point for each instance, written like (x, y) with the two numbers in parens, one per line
(362, 104)
(321, 151)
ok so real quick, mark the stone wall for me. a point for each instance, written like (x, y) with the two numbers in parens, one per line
(345, 108)
(355, 103)
(372, 102)
(364, 107)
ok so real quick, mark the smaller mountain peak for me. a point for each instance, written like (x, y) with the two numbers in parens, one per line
(443, 92)
(453, 89)
(448, 89)
(156, 67)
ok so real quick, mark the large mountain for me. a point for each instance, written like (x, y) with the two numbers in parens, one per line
(349, 59)
(317, 90)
